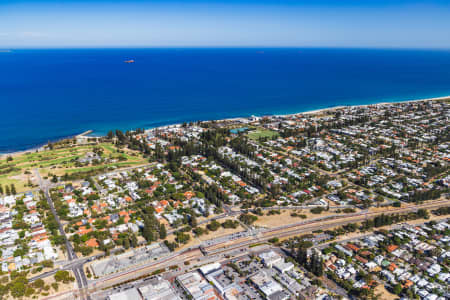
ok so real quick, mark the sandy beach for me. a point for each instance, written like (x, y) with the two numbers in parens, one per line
(309, 112)
(38, 148)
(317, 111)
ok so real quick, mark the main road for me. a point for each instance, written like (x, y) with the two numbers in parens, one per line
(77, 269)
(225, 248)
(220, 249)
(228, 246)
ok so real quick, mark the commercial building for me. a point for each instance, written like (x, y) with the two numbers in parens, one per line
(158, 289)
(196, 286)
(266, 284)
(130, 294)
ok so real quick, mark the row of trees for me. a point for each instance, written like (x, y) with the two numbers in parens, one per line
(128, 139)
(152, 228)
(423, 195)
(8, 189)
(312, 263)
(384, 220)
(19, 286)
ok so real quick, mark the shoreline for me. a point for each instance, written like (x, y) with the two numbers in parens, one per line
(309, 112)
(39, 148)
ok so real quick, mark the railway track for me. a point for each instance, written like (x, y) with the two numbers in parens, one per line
(240, 244)
(311, 225)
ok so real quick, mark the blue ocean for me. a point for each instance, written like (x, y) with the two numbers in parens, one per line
(50, 94)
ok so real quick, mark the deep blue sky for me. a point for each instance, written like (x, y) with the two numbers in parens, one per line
(240, 23)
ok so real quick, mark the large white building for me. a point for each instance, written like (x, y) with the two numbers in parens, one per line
(158, 289)
(130, 294)
(270, 258)
(266, 284)
(196, 286)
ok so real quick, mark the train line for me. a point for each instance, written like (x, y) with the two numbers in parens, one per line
(222, 248)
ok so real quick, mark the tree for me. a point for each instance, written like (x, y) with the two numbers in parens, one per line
(318, 266)
(148, 233)
(13, 189)
(379, 199)
(302, 256)
(20, 252)
(110, 135)
(317, 210)
(3, 290)
(397, 289)
(162, 231)
(58, 239)
(63, 276)
(248, 219)
(182, 237)
(86, 250)
(18, 289)
(273, 240)
(423, 213)
(198, 231)
(213, 226)
(39, 283)
(230, 224)
(47, 263)
(193, 221)
(55, 286)
(133, 240)
(126, 243)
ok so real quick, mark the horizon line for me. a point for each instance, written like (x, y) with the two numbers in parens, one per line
(11, 48)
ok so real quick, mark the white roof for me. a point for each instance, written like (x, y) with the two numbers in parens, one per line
(209, 268)
(131, 294)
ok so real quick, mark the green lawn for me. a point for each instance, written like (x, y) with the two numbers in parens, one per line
(255, 135)
(20, 186)
(60, 161)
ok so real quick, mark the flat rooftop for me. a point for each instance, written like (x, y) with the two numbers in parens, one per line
(129, 259)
